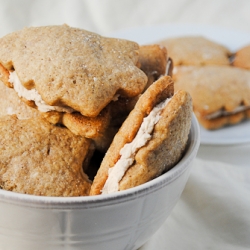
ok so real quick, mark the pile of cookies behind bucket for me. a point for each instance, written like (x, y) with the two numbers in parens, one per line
(217, 79)
(82, 114)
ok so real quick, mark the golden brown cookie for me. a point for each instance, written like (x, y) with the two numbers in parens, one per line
(71, 68)
(242, 57)
(101, 128)
(196, 50)
(161, 149)
(221, 94)
(42, 159)
(90, 127)
(153, 60)
(4, 76)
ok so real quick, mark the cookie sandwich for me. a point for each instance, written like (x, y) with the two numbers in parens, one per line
(221, 94)
(150, 141)
(73, 76)
(61, 70)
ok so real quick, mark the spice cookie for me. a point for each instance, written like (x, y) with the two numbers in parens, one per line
(42, 159)
(153, 60)
(150, 141)
(242, 57)
(221, 94)
(68, 69)
(196, 50)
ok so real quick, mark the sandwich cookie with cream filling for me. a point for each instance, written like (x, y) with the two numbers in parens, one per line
(72, 76)
(61, 70)
(221, 94)
(150, 141)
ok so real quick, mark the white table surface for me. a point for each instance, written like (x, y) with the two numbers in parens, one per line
(214, 209)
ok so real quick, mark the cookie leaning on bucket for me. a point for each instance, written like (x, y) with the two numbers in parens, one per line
(42, 159)
(137, 154)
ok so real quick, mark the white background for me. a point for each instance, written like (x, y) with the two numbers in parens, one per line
(107, 16)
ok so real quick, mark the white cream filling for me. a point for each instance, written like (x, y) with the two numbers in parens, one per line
(129, 150)
(33, 95)
(220, 113)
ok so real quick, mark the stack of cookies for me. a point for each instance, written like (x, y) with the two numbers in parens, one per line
(72, 100)
(217, 79)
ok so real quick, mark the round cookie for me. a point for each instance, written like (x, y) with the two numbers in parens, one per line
(220, 93)
(166, 142)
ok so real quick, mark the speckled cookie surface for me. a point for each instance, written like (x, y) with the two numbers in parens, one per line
(196, 50)
(168, 140)
(215, 88)
(73, 67)
(11, 104)
(167, 145)
(242, 58)
(153, 60)
(41, 159)
(89, 127)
